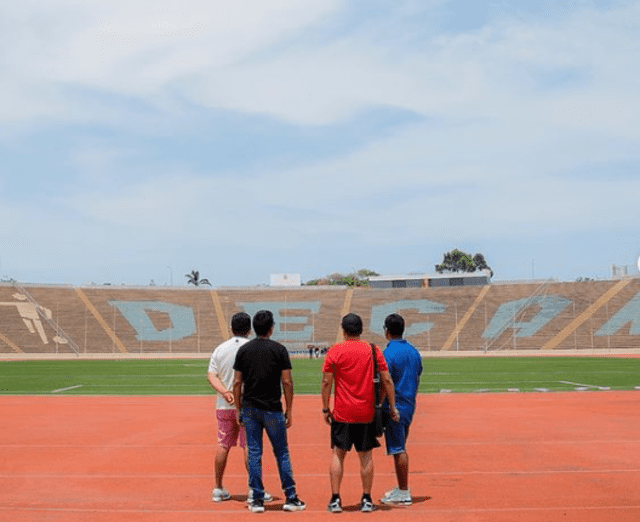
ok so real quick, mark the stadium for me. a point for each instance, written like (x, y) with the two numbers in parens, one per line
(140, 140)
(530, 317)
(106, 411)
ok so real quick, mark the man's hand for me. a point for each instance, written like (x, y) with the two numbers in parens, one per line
(239, 417)
(394, 414)
(288, 418)
(325, 393)
(228, 396)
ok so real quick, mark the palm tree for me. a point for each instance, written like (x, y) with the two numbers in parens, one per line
(194, 279)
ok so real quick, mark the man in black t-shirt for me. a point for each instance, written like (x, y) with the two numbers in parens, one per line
(262, 372)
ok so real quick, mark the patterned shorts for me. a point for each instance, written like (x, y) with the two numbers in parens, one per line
(230, 433)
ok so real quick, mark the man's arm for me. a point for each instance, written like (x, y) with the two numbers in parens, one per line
(237, 394)
(287, 389)
(219, 387)
(390, 392)
(325, 393)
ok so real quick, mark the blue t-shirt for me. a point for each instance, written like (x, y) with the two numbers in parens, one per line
(405, 367)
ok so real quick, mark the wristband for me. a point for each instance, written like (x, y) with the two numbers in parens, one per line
(325, 410)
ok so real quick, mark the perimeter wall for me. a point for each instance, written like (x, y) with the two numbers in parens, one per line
(49, 320)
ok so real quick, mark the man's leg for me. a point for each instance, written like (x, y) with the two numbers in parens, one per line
(267, 496)
(401, 461)
(366, 471)
(228, 430)
(396, 437)
(220, 464)
(336, 469)
(276, 428)
(253, 432)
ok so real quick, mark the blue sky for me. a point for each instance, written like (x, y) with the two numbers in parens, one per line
(141, 140)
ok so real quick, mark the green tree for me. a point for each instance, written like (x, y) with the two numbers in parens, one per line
(358, 278)
(194, 279)
(458, 261)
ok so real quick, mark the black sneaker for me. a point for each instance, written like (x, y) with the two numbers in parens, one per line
(366, 505)
(256, 506)
(293, 504)
(335, 506)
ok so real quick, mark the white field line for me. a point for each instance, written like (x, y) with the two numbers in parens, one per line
(322, 445)
(579, 384)
(66, 389)
(185, 476)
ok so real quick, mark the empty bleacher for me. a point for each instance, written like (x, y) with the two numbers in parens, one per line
(498, 318)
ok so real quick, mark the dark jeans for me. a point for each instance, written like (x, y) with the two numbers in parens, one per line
(273, 422)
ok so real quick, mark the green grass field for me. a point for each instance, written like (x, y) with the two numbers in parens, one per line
(188, 376)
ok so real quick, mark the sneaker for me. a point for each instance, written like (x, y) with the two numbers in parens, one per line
(335, 506)
(266, 498)
(293, 504)
(256, 506)
(220, 494)
(398, 497)
(389, 493)
(366, 505)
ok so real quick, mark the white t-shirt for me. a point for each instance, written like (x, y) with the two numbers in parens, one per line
(221, 363)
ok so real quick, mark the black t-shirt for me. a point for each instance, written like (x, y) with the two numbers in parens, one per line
(261, 362)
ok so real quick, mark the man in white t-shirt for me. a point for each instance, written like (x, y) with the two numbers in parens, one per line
(220, 376)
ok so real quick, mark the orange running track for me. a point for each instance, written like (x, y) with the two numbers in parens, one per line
(484, 457)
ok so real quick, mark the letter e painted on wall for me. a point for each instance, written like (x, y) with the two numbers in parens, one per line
(282, 319)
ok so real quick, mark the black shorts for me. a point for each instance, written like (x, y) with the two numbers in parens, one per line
(361, 436)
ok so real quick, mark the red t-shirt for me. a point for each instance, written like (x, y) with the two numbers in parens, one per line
(351, 364)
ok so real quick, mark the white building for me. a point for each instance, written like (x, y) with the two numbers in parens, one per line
(285, 280)
(482, 277)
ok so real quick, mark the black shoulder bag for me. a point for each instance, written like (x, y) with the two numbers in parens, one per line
(377, 405)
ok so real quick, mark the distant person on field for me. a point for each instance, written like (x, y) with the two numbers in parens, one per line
(349, 366)
(262, 366)
(405, 368)
(220, 376)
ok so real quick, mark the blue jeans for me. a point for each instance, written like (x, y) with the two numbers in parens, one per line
(255, 421)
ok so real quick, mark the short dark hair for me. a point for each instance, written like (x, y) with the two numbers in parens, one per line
(394, 324)
(241, 323)
(352, 324)
(262, 322)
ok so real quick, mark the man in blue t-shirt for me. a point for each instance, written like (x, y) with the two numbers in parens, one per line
(405, 367)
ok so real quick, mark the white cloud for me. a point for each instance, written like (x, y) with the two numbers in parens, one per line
(132, 48)
(242, 56)
(489, 72)
(510, 118)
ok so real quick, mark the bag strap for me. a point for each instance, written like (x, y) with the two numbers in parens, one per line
(376, 376)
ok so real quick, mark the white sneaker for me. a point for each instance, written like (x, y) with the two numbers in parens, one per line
(398, 497)
(267, 497)
(218, 495)
(389, 493)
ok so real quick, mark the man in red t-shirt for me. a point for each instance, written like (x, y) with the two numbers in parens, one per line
(350, 366)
